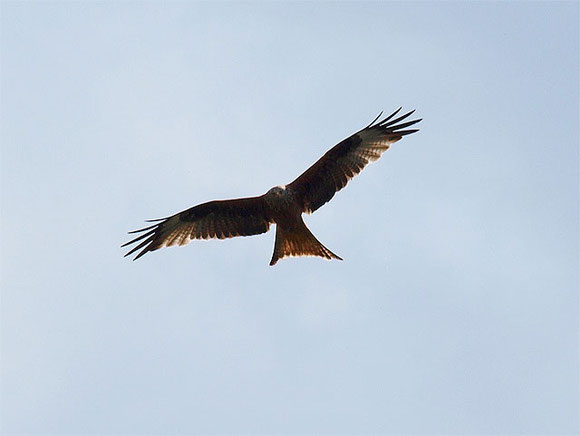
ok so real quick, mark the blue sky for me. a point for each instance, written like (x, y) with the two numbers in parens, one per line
(455, 310)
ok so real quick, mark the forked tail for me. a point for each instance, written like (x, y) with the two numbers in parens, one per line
(298, 241)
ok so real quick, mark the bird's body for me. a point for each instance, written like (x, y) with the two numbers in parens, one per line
(281, 205)
(292, 236)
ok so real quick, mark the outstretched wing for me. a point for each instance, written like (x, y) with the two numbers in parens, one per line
(216, 219)
(318, 184)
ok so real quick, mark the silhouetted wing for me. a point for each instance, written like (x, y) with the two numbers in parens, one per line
(318, 184)
(216, 219)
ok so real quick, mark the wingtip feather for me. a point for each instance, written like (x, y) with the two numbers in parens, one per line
(407, 132)
(380, 123)
(373, 121)
(403, 125)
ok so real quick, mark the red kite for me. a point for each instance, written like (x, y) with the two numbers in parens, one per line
(281, 205)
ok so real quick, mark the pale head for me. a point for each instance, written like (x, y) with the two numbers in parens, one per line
(277, 191)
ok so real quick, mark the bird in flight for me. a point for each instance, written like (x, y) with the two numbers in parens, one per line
(281, 205)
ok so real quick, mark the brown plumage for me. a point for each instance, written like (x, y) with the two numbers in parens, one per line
(281, 205)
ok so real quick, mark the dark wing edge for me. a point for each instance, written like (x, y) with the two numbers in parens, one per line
(318, 184)
(216, 219)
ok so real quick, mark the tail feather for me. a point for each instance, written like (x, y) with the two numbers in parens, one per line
(298, 241)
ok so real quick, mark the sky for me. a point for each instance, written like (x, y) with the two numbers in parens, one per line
(456, 308)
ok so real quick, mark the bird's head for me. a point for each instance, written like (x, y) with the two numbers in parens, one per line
(277, 191)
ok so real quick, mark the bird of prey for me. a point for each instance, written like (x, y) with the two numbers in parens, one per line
(281, 205)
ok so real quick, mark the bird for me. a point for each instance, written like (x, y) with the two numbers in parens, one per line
(282, 205)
